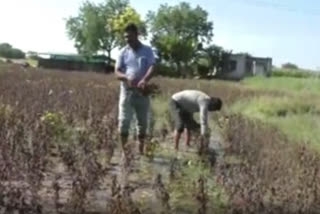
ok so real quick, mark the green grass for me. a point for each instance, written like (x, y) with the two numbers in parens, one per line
(160, 106)
(303, 128)
(297, 73)
(264, 107)
(296, 113)
(286, 84)
(33, 62)
(295, 110)
(297, 117)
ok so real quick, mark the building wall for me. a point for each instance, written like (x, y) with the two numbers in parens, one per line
(245, 66)
(259, 70)
(236, 72)
(262, 66)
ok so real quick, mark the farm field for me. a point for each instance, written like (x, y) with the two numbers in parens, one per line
(59, 150)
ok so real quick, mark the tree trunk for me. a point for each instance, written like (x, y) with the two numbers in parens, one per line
(178, 68)
(109, 60)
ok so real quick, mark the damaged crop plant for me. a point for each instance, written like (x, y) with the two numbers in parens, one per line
(59, 153)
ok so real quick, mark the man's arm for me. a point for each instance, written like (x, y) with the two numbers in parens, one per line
(149, 74)
(120, 75)
(204, 127)
(203, 105)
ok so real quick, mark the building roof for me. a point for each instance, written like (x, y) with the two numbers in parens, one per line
(252, 57)
(75, 57)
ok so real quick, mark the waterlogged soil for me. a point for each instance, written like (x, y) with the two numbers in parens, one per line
(179, 171)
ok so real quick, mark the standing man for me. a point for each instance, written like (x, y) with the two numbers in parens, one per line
(183, 104)
(134, 68)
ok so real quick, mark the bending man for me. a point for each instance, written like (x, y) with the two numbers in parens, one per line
(183, 104)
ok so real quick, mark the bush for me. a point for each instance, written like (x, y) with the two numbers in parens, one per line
(298, 73)
(290, 66)
(203, 67)
(166, 70)
(7, 51)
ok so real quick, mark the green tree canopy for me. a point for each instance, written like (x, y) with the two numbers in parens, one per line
(211, 57)
(289, 65)
(120, 21)
(7, 51)
(91, 29)
(178, 32)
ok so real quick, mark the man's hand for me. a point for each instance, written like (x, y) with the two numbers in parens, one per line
(142, 84)
(129, 82)
(204, 143)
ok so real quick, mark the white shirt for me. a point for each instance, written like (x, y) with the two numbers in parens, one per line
(195, 101)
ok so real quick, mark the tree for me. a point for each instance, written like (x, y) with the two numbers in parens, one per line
(7, 51)
(212, 57)
(290, 66)
(177, 32)
(171, 48)
(91, 30)
(120, 21)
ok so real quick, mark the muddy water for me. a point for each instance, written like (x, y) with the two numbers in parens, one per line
(140, 178)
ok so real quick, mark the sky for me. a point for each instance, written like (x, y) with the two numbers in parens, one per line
(286, 30)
